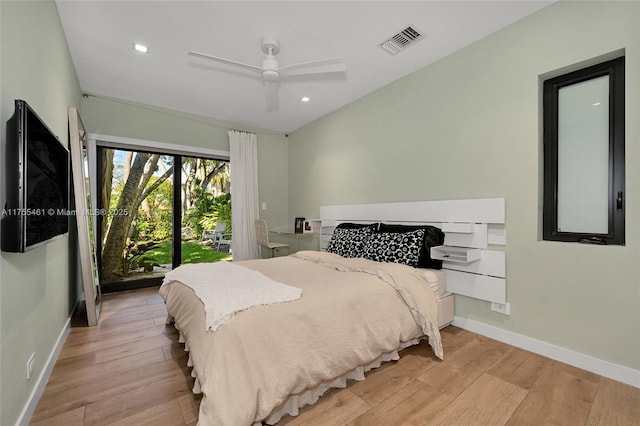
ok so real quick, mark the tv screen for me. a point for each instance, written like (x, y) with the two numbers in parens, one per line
(37, 183)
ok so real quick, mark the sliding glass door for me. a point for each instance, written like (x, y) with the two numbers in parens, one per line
(206, 210)
(156, 212)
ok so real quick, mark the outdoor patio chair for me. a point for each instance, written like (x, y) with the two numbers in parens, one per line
(214, 235)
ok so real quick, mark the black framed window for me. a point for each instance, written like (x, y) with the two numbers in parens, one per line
(157, 207)
(584, 160)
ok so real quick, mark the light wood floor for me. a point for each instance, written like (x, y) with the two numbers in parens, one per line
(131, 370)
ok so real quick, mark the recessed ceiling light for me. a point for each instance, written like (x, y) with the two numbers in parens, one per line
(305, 99)
(595, 104)
(140, 48)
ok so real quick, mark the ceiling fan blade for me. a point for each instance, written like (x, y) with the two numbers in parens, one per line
(271, 95)
(314, 67)
(248, 67)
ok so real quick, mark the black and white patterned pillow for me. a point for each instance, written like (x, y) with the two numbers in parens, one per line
(395, 247)
(433, 237)
(349, 242)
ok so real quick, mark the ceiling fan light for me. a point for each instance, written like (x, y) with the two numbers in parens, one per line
(270, 76)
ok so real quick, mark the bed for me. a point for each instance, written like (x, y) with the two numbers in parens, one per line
(354, 313)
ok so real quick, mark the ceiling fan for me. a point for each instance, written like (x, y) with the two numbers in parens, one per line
(271, 71)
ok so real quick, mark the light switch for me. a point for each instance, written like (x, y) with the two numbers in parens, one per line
(264, 205)
(497, 236)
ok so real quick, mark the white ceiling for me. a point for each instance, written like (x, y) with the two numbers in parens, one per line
(101, 34)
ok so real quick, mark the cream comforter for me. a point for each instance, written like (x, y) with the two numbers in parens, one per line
(351, 312)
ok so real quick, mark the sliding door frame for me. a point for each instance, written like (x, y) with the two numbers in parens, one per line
(97, 141)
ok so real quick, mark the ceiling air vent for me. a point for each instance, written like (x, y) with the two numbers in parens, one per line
(402, 40)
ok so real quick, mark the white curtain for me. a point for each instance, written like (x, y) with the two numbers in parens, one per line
(243, 155)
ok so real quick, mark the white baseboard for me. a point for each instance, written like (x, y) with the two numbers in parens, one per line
(586, 362)
(30, 407)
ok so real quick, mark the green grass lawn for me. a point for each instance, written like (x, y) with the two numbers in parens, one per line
(191, 253)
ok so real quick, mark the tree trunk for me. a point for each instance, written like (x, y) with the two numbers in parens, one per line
(113, 249)
(166, 175)
(149, 169)
(209, 176)
(188, 184)
(107, 183)
(183, 188)
(127, 165)
(142, 198)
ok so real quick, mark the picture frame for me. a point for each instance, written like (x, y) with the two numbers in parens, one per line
(308, 227)
(298, 227)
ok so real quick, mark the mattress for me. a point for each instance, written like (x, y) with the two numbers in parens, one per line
(437, 281)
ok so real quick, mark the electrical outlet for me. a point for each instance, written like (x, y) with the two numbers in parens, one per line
(31, 365)
(503, 308)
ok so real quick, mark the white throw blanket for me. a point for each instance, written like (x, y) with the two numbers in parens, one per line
(226, 289)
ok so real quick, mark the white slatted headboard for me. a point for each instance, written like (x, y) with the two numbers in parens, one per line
(471, 268)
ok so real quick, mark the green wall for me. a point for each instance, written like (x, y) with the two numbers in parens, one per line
(468, 126)
(36, 297)
(117, 117)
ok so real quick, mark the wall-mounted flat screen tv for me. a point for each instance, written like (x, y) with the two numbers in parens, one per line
(37, 183)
